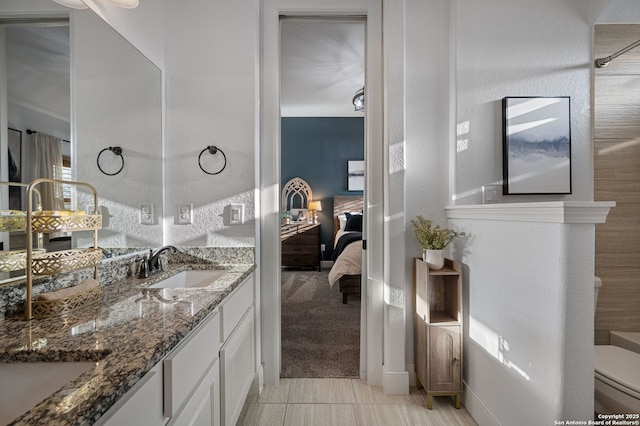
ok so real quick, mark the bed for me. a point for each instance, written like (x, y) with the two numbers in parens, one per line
(347, 267)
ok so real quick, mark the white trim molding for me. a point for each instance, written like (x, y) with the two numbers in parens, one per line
(474, 405)
(395, 382)
(544, 212)
(372, 319)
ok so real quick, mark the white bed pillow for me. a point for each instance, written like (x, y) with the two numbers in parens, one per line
(342, 220)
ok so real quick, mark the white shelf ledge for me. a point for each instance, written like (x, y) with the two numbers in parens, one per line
(544, 212)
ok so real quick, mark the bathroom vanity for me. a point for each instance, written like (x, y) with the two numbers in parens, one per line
(205, 379)
(159, 355)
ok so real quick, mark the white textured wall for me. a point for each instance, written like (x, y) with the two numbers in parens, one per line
(620, 12)
(513, 317)
(519, 48)
(211, 65)
(427, 130)
(528, 296)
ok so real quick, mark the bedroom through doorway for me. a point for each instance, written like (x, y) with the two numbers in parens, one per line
(322, 154)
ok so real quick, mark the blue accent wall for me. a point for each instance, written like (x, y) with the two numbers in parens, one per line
(317, 149)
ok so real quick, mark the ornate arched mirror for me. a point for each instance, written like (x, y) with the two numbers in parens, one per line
(296, 195)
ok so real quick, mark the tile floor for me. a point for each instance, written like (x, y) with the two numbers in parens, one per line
(349, 402)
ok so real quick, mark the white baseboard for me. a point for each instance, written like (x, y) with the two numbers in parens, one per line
(477, 409)
(411, 370)
(326, 264)
(395, 383)
(257, 384)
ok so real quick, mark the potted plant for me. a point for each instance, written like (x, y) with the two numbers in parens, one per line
(433, 239)
(286, 217)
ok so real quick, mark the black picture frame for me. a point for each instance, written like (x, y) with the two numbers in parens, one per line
(14, 162)
(536, 151)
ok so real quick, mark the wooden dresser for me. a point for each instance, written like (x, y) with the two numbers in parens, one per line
(301, 245)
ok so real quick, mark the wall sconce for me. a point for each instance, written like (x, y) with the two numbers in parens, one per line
(358, 100)
(315, 207)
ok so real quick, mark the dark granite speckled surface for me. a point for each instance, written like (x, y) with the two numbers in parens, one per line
(126, 334)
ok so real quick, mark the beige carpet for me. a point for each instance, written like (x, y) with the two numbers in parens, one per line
(320, 334)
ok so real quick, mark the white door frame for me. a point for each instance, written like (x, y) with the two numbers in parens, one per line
(269, 241)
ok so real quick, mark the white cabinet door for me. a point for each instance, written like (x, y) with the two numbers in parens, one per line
(233, 308)
(188, 363)
(141, 405)
(203, 408)
(237, 368)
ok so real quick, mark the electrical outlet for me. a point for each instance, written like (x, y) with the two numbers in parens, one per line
(185, 213)
(322, 247)
(146, 214)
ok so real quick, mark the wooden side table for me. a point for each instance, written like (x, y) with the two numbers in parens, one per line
(438, 329)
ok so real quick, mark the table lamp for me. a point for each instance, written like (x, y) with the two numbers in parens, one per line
(315, 207)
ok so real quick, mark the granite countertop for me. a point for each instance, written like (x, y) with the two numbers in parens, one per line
(130, 331)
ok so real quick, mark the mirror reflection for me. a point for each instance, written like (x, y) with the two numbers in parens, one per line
(116, 102)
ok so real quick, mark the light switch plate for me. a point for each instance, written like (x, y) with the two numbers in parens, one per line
(146, 214)
(236, 214)
(491, 194)
(185, 213)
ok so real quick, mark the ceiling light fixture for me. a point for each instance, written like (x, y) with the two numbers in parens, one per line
(358, 100)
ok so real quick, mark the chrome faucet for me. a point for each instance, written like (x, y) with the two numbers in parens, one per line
(155, 265)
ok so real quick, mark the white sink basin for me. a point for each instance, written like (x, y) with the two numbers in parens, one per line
(190, 279)
(25, 384)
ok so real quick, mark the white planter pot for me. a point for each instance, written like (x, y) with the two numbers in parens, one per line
(433, 258)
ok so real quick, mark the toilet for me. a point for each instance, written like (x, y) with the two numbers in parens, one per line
(617, 386)
(617, 372)
(626, 339)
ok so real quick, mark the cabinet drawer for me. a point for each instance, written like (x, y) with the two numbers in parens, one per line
(296, 250)
(232, 309)
(300, 260)
(141, 405)
(297, 239)
(186, 365)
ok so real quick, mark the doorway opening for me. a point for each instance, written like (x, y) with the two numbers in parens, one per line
(322, 141)
(269, 248)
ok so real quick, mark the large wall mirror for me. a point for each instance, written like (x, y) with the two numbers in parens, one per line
(79, 80)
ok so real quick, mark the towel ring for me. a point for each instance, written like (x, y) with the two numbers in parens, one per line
(213, 150)
(117, 151)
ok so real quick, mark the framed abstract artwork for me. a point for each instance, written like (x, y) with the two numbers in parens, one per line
(536, 152)
(355, 175)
